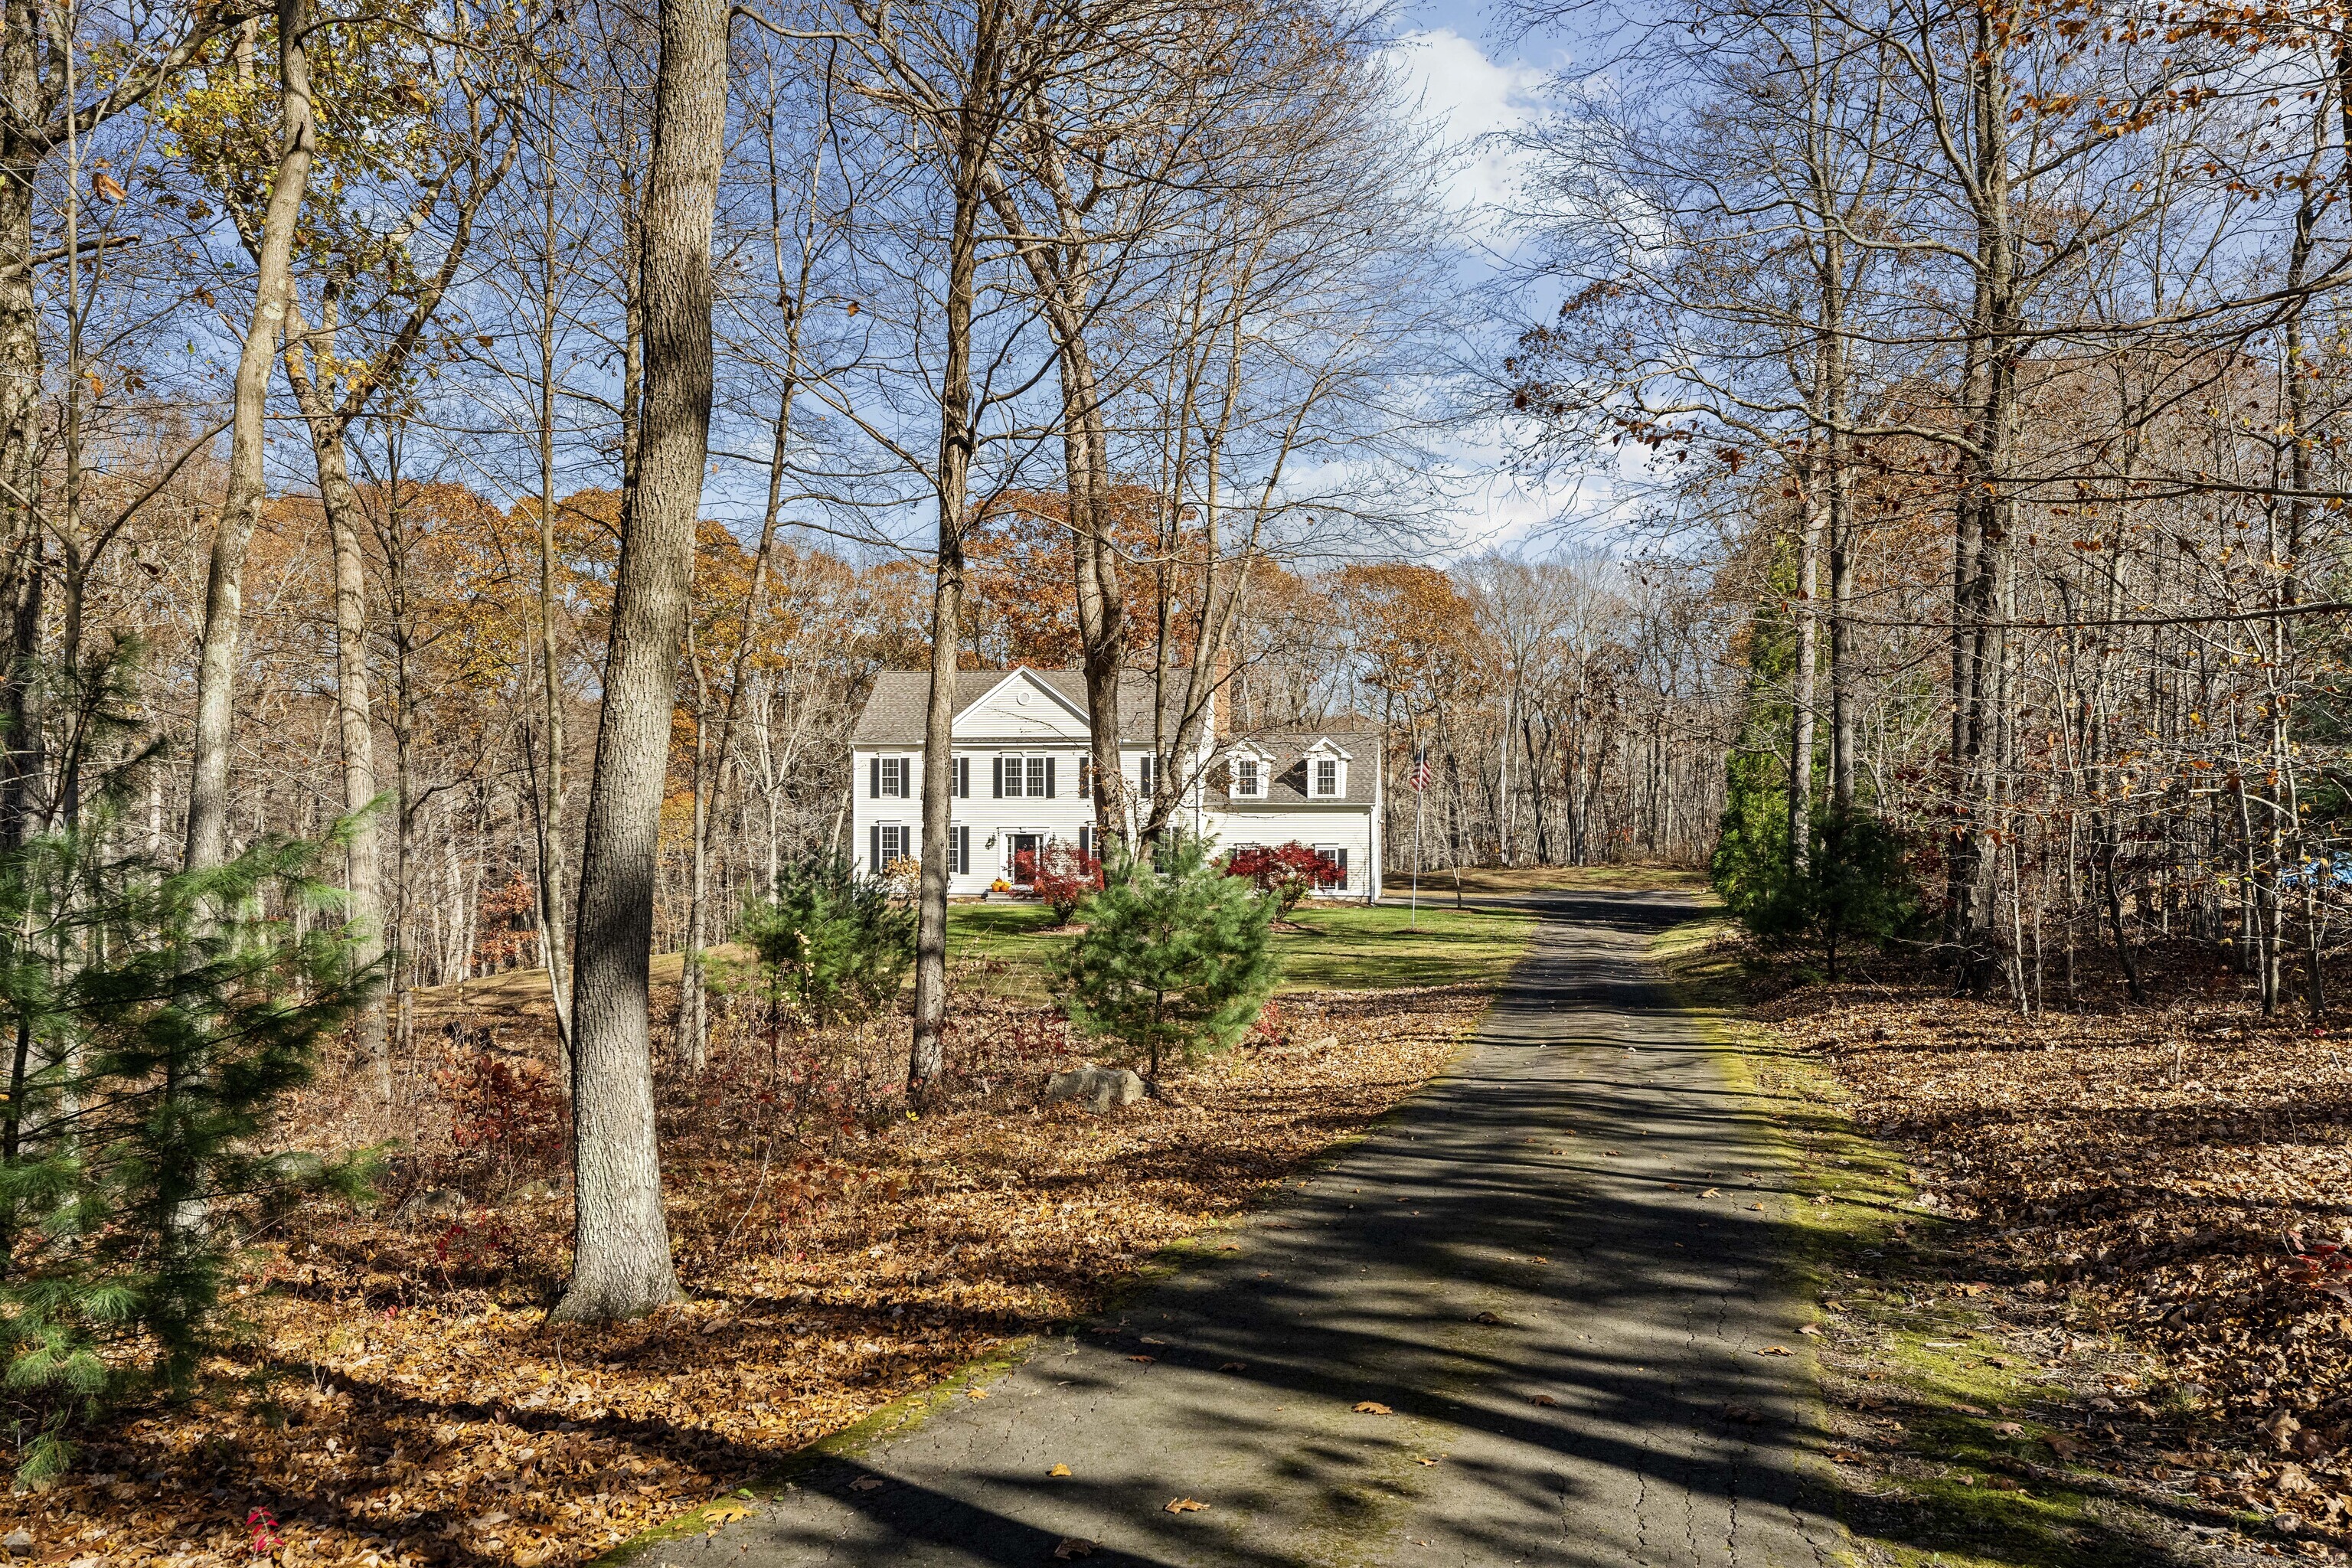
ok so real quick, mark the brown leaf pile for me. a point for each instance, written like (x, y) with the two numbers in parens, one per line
(2142, 1174)
(398, 1398)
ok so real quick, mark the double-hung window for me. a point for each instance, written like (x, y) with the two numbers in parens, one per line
(959, 851)
(889, 841)
(1337, 854)
(1245, 778)
(1147, 770)
(1326, 777)
(1014, 777)
(890, 778)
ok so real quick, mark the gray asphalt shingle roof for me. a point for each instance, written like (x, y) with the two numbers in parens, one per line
(894, 717)
(894, 714)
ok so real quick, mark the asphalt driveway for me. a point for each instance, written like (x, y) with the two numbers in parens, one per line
(1558, 1269)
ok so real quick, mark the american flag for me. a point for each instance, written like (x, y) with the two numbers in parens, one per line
(1420, 770)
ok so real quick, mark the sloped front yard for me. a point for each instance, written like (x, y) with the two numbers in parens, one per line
(396, 1397)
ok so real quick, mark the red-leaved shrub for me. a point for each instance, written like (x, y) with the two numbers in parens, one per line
(1064, 878)
(1289, 871)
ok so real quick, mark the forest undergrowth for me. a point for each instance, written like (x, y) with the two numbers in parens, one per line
(395, 1395)
(2116, 1216)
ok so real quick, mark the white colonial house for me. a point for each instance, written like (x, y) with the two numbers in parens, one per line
(1022, 776)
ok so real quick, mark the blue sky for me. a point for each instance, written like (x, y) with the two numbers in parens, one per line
(1472, 86)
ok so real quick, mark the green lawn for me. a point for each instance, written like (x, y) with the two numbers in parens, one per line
(1347, 947)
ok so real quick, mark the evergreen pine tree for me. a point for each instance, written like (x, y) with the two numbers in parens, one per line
(1177, 958)
(156, 1022)
(832, 946)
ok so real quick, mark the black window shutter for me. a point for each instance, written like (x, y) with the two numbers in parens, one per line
(874, 855)
(962, 777)
(873, 778)
(964, 851)
(906, 777)
(1339, 857)
(1049, 778)
(1087, 842)
(1086, 778)
(996, 777)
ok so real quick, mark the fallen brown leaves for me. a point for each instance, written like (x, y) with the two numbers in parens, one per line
(399, 1400)
(2129, 1177)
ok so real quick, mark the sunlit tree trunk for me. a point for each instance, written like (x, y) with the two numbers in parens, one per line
(223, 613)
(621, 1253)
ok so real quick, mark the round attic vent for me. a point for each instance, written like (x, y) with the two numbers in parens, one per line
(1021, 695)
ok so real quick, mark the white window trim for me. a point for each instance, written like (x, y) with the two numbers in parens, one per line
(1256, 790)
(1013, 766)
(904, 766)
(1339, 789)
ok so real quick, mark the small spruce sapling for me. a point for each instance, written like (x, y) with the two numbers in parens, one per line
(832, 946)
(1177, 957)
(158, 1022)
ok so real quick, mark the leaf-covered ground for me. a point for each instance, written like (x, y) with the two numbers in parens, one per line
(2115, 1197)
(397, 1398)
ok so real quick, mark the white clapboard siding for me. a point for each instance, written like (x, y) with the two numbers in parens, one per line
(990, 819)
(1025, 717)
(1349, 827)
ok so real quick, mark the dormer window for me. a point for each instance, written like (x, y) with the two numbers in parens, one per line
(1247, 778)
(1325, 773)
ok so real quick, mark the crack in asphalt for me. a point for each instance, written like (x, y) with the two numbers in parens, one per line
(1601, 1423)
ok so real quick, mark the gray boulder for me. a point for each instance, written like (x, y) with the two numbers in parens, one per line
(433, 1203)
(1098, 1088)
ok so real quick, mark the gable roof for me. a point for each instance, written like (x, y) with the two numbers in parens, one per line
(893, 715)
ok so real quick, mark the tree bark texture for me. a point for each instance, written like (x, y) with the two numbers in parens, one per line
(621, 1253)
(207, 835)
(354, 713)
(974, 126)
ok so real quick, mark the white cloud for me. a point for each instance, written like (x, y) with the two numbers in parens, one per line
(1466, 96)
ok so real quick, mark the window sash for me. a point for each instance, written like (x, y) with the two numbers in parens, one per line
(1245, 778)
(1037, 780)
(1326, 777)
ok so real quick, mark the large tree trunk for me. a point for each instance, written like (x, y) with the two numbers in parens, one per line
(690, 1027)
(621, 1258)
(551, 792)
(207, 837)
(20, 402)
(1102, 607)
(1810, 487)
(926, 1056)
(354, 713)
(1981, 544)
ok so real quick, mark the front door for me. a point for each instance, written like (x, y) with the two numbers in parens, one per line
(1022, 858)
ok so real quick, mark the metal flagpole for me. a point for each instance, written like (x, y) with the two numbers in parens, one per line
(1420, 792)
